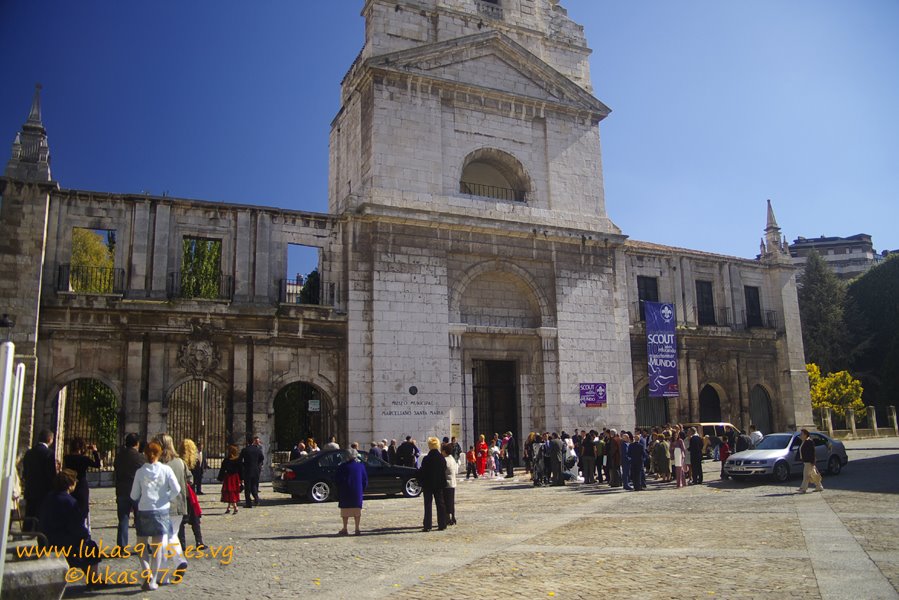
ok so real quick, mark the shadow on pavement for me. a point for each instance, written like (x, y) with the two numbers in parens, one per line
(365, 533)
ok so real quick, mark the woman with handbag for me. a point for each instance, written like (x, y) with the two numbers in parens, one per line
(191, 456)
(229, 475)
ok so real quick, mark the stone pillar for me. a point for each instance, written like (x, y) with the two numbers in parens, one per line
(850, 417)
(893, 419)
(872, 419)
(828, 421)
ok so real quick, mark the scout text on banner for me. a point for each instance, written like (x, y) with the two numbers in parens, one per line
(661, 349)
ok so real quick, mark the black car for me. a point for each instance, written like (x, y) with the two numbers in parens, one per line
(313, 476)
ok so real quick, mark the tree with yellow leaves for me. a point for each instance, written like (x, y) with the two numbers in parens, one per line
(837, 391)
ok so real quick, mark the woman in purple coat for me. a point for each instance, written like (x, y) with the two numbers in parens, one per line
(351, 480)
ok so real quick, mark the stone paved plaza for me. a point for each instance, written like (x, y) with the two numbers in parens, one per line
(718, 540)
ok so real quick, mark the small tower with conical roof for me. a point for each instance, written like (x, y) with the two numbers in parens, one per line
(773, 246)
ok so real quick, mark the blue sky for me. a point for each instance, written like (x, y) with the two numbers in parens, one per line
(717, 106)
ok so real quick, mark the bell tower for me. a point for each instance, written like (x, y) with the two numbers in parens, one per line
(24, 200)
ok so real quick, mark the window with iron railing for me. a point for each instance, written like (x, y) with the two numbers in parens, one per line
(705, 303)
(490, 9)
(491, 191)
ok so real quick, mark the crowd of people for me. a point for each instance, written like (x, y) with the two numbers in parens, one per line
(156, 487)
(157, 484)
(625, 459)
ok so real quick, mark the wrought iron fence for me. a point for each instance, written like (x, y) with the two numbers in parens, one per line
(91, 413)
(492, 191)
(218, 287)
(197, 411)
(90, 280)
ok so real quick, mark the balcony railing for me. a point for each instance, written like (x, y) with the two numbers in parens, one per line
(764, 320)
(713, 317)
(491, 10)
(292, 293)
(492, 191)
(217, 287)
(90, 280)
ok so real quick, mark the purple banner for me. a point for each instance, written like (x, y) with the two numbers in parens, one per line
(661, 349)
(593, 395)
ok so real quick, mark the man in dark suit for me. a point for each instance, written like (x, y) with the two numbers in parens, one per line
(557, 458)
(39, 473)
(405, 454)
(695, 448)
(251, 459)
(127, 461)
(432, 478)
(199, 469)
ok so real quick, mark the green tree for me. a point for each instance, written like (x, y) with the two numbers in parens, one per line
(821, 305)
(98, 404)
(837, 391)
(201, 268)
(91, 265)
(872, 316)
(311, 292)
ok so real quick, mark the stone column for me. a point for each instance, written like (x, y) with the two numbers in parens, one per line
(872, 419)
(893, 419)
(850, 417)
(828, 421)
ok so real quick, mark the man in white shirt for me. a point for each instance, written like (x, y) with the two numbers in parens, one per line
(755, 435)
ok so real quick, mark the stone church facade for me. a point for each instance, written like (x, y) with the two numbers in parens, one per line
(471, 278)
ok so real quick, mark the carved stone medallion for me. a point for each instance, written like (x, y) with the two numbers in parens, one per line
(198, 357)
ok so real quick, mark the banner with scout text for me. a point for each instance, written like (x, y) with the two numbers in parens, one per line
(661, 349)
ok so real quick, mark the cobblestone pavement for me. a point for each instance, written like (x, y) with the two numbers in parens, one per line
(718, 540)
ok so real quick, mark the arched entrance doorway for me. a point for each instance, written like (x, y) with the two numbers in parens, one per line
(709, 405)
(90, 412)
(301, 411)
(197, 411)
(760, 409)
(650, 411)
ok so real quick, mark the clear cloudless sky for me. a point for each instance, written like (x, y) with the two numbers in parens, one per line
(716, 106)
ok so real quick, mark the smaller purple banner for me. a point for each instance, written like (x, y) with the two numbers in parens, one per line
(593, 395)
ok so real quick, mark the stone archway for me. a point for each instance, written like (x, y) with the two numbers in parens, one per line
(760, 413)
(301, 410)
(709, 405)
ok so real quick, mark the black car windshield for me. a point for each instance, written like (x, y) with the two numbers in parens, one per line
(775, 441)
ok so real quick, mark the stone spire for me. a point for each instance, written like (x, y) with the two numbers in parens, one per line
(30, 159)
(774, 244)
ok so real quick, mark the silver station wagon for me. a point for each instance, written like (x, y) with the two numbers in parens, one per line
(776, 455)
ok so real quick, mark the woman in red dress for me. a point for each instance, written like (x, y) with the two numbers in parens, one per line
(229, 475)
(481, 452)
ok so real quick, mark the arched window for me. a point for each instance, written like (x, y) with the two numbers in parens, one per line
(492, 173)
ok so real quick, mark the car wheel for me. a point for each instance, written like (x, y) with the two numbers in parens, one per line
(411, 489)
(320, 491)
(834, 466)
(781, 471)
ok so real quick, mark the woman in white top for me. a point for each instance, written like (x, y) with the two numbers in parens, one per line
(178, 506)
(449, 492)
(154, 488)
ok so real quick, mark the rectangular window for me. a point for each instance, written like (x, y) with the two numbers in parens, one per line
(91, 269)
(705, 303)
(201, 269)
(647, 291)
(753, 306)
